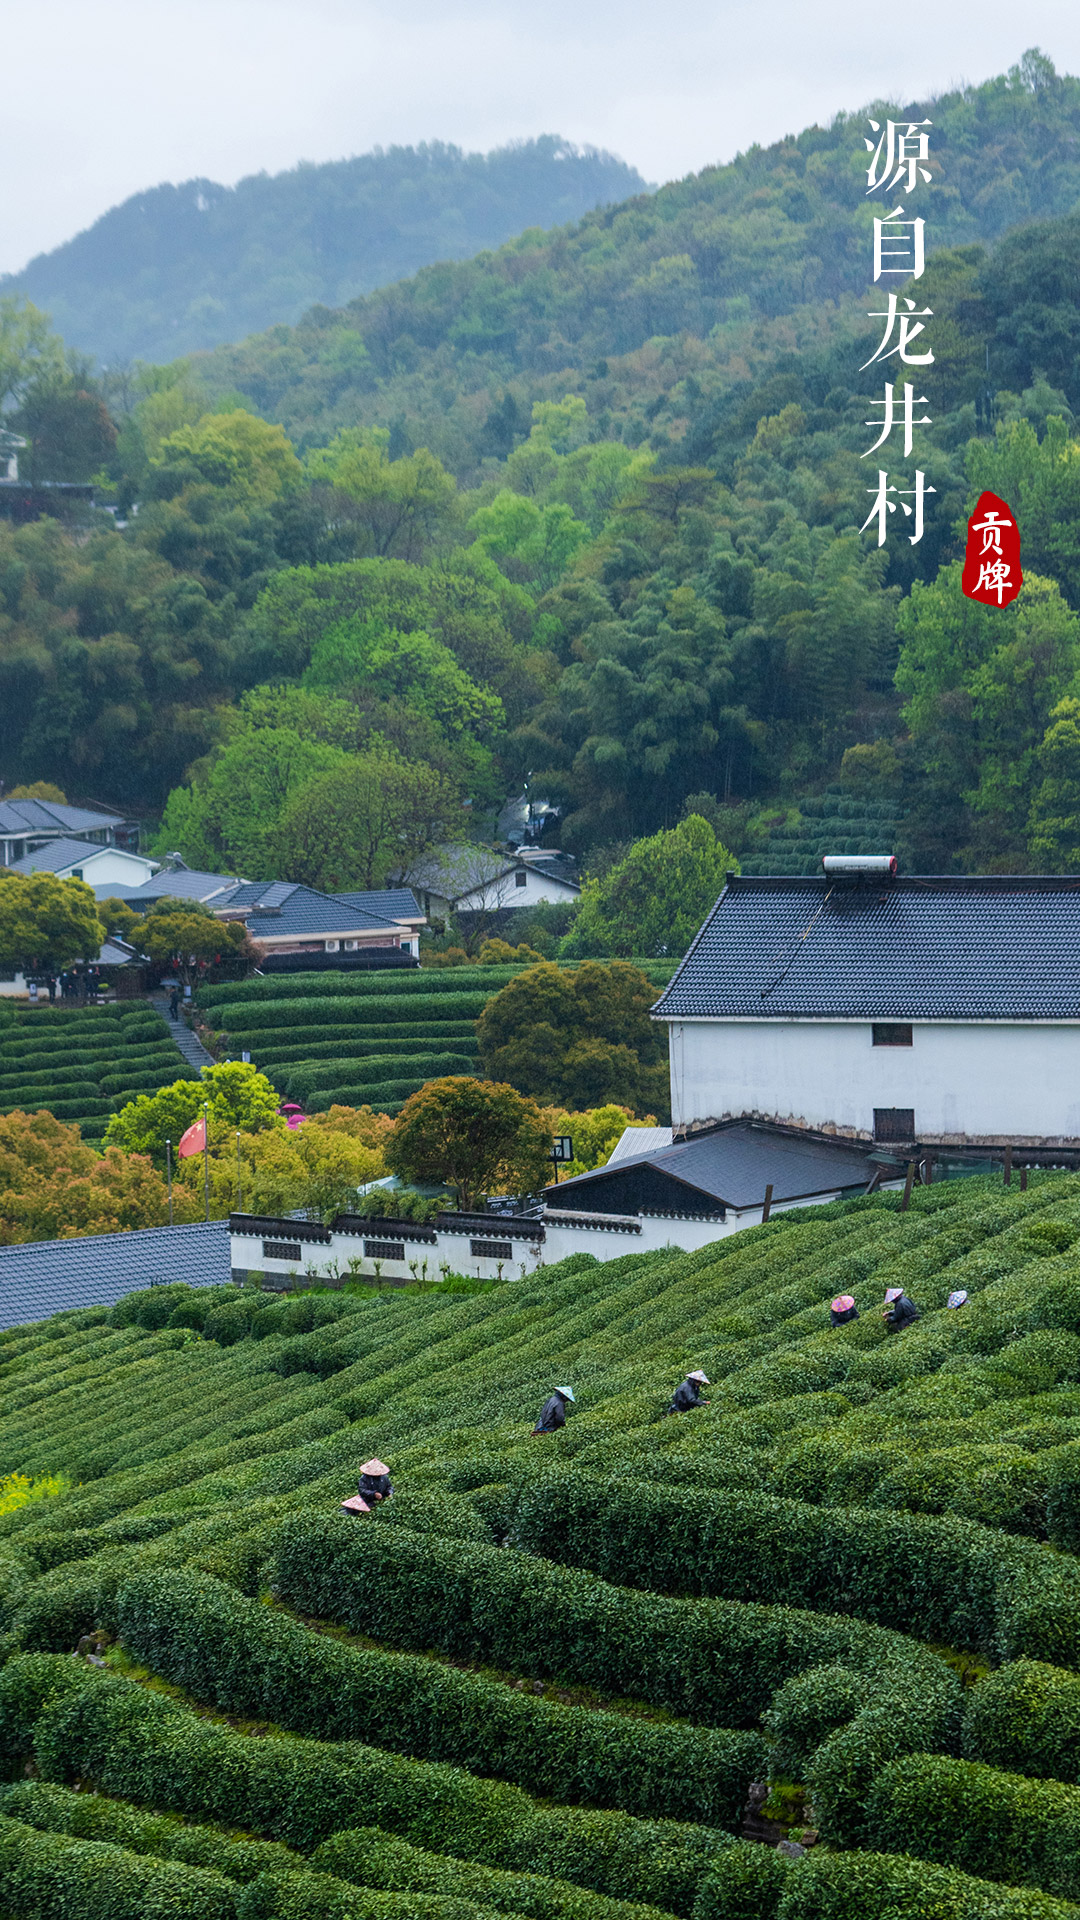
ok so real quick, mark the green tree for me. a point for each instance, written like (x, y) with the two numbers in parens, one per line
(233, 813)
(360, 656)
(978, 685)
(240, 1099)
(184, 935)
(1040, 479)
(369, 817)
(251, 459)
(473, 1135)
(111, 665)
(535, 544)
(398, 507)
(45, 923)
(579, 1036)
(1054, 820)
(29, 349)
(655, 899)
(594, 1134)
(72, 436)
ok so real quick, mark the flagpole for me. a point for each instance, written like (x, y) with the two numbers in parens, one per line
(168, 1165)
(206, 1156)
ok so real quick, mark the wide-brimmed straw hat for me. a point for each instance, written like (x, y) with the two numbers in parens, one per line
(374, 1467)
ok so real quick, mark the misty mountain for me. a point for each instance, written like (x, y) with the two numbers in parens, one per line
(179, 268)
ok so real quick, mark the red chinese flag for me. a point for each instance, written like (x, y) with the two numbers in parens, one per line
(992, 561)
(193, 1141)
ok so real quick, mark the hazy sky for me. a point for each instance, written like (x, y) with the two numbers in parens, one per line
(101, 100)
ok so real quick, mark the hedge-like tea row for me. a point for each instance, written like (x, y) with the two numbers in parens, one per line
(48, 1876)
(960, 1813)
(717, 1661)
(81, 1065)
(136, 1744)
(1026, 1717)
(385, 1096)
(402, 1036)
(881, 1886)
(233, 1653)
(61, 1109)
(373, 1069)
(322, 1009)
(371, 1858)
(91, 1816)
(364, 1856)
(404, 981)
(938, 1577)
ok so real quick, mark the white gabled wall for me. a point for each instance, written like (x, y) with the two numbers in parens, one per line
(345, 1253)
(982, 1081)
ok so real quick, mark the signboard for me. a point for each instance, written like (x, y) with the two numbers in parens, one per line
(562, 1150)
(992, 558)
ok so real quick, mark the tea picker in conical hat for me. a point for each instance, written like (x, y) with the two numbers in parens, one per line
(375, 1481)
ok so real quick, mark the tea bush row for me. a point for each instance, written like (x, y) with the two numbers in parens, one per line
(132, 1743)
(298, 1083)
(321, 1009)
(716, 1661)
(403, 983)
(241, 1658)
(943, 1579)
(366, 1857)
(400, 1037)
(963, 1814)
(372, 1858)
(45, 1876)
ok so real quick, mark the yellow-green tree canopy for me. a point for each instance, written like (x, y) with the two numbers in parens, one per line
(45, 923)
(655, 899)
(184, 935)
(240, 1099)
(252, 458)
(471, 1134)
(53, 1186)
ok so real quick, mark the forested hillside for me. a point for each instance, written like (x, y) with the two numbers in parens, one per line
(586, 509)
(541, 1680)
(179, 268)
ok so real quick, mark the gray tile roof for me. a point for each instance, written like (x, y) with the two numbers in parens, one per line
(55, 855)
(49, 816)
(983, 948)
(294, 909)
(731, 1166)
(179, 884)
(50, 1276)
(388, 903)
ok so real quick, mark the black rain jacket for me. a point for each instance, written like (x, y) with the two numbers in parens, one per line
(552, 1415)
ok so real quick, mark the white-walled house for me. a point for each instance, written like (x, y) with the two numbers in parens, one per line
(883, 1009)
(470, 879)
(26, 826)
(100, 867)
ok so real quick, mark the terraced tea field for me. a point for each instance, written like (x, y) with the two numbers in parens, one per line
(542, 1679)
(360, 1039)
(85, 1063)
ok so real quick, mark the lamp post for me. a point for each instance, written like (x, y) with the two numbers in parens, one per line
(206, 1157)
(168, 1169)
